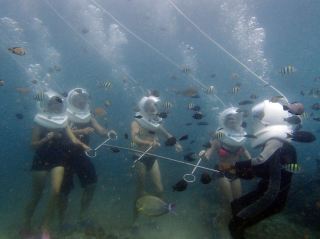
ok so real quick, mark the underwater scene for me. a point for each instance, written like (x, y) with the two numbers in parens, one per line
(152, 119)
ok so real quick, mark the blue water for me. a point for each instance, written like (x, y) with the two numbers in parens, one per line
(263, 35)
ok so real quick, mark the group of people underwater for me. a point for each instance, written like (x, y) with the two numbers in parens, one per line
(61, 138)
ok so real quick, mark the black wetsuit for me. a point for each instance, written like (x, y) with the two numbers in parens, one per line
(79, 163)
(53, 153)
(271, 193)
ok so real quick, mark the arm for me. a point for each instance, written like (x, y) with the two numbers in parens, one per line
(35, 140)
(100, 130)
(75, 140)
(135, 135)
(270, 195)
(167, 135)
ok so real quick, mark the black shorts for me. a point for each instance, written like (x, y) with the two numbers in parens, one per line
(49, 158)
(81, 165)
(230, 176)
(148, 161)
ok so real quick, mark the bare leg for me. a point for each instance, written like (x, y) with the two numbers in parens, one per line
(56, 181)
(62, 207)
(236, 189)
(86, 199)
(38, 183)
(156, 179)
(140, 171)
(225, 188)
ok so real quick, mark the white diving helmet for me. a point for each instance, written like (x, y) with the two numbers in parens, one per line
(51, 111)
(230, 124)
(78, 109)
(148, 112)
(270, 122)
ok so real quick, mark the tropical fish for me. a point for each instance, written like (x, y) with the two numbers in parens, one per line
(107, 84)
(163, 115)
(205, 178)
(99, 111)
(184, 137)
(186, 69)
(23, 90)
(132, 144)
(292, 168)
(188, 124)
(219, 134)
(2, 82)
(315, 106)
(316, 118)
(167, 105)
(180, 186)
(210, 90)
(20, 51)
(302, 136)
(190, 157)
(287, 70)
(197, 115)
(190, 106)
(235, 89)
(39, 96)
(189, 92)
(213, 75)
(107, 103)
(126, 136)
(170, 141)
(138, 116)
(253, 96)
(244, 124)
(153, 206)
(293, 119)
(19, 116)
(115, 150)
(203, 123)
(245, 102)
(234, 76)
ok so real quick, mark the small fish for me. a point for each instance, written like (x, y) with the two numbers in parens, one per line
(180, 186)
(189, 92)
(205, 178)
(315, 106)
(132, 144)
(302, 92)
(295, 108)
(186, 69)
(84, 30)
(192, 141)
(316, 119)
(126, 136)
(302, 136)
(191, 106)
(196, 108)
(212, 75)
(39, 96)
(34, 81)
(19, 116)
(253, 96)
(167, 105)
(138, 116)
(197, 115)
(219, 134)
(163, 115)
(107, 84)
(287, 70)
(210, 90)
(99, 111)
(188, 124)
(153, 206)
(170, 141)
(235, 89)
(151, 132)
(2, 82)
(245, 102)
(305, 116)
(107, 103)
(293, 119)
(250, 136)
(115, 150)
(64, 94)
(276, 98)
(23, 90)
(20, 51)
(202, 123)
(190, 157)
(292, 168)
(184, 137)
(244, 124)
(234, 76)
(154, 93)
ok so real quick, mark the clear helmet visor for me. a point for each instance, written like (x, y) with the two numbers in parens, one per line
(79, 99)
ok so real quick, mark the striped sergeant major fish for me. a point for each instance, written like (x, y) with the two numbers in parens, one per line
(287, 70)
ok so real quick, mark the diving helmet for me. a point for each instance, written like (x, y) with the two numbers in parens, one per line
(148, 110)
(78, 109)
(51, 111)
(230, 121)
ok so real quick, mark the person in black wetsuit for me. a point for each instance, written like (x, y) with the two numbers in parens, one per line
(51, 138)
(82, 124)
(271, 193)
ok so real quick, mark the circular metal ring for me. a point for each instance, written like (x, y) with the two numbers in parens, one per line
(91, 153)
(190, 178)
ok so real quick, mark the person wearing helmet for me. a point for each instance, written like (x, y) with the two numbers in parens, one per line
(271, 132)
(83, 124)
(228, 147)
(146, 130)
(51, 139)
